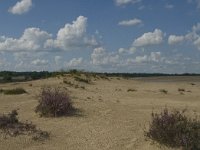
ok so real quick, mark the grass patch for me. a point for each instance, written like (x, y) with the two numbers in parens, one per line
(11, 126)
(174, 129)
(79, 79)
(16, 91)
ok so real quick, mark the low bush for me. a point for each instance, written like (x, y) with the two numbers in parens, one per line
(131, 90)
(53, 102)
(10, 125)
(163, 91)
(16, 91)
(174, 129)
(181, 90)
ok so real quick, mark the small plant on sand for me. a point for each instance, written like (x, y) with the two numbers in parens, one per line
(15, 91)
(181, 90)
(174, 129)
(131, 90)
(11, 126)
(163, 91)
(53, 102)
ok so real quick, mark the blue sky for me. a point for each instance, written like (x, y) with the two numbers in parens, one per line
(100, 35)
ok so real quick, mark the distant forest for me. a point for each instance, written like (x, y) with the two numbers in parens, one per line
(12, 76)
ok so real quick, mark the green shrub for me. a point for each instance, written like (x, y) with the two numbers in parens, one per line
(174, 129)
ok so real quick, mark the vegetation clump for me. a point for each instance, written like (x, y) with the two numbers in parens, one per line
(174, 129)
(53, 102)
(11, 126)
(163, 91)
(131, 90)
(79, 79)
(16, 91)
(181, 90)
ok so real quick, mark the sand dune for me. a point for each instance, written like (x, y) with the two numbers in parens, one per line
(111, 117)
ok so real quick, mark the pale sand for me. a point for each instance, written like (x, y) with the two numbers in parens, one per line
(110, 119)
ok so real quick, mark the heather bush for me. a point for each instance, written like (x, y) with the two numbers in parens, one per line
(174, 129)
(53, 102)
(11, 126)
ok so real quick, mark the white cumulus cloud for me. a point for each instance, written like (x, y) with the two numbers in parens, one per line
(131, 22)
(150, 38)
(153, 57)
(75, 62)
(101, 57)
(173, 39)
(33, 39)
(70, 37)
(21, 7)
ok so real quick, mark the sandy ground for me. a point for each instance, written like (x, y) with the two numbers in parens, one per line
(110, 118)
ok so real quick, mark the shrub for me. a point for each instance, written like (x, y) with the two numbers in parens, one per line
(53, 102)
(131, 90)
(174, 129)
(10, 119)
(163, 91)
(10, 125)
(15, 91)
(181, 90)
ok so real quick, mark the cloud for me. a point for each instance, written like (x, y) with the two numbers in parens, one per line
(153, 57)
(131, 22)
(21, 7)
(197, 43)
(75, 62)
(72, 36)
(173, 39)
(141, 59)
(33, 39)
(39, 62)
(149, 38)
(100, 57)
(124, 2)
(192, 37)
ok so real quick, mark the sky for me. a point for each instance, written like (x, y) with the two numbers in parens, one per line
(135, 36)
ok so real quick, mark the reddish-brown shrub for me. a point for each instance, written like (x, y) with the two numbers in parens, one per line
(53, 102)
